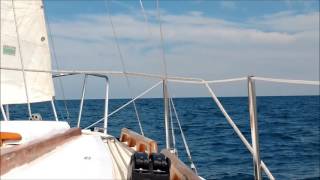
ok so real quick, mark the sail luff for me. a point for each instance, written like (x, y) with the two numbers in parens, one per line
(33, 38)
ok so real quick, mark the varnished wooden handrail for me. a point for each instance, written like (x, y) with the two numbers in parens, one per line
(141, 143)
(178, 170)
(18, 155)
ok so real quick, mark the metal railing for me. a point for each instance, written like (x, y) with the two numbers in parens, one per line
(254, 128)
(83, 91)
(253, 147)
(106, 104)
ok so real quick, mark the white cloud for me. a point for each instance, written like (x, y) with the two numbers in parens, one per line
(282, 45)
(290, 22)
(179, 28)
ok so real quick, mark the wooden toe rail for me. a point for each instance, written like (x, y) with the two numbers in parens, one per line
(18, 155)
(141, 143)
(178, 170)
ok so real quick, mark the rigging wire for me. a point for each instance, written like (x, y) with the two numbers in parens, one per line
(192, 165)
(164, 61)
(21, 59)
(122, 63)
(145, 17)
(172, 130)
(55, 59)
(165, 69)
(126, 104)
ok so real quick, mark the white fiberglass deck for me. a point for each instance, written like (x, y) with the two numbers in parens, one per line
(84, 157)
(31, 130)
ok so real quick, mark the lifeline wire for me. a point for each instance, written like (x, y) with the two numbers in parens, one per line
(289, 81)
(186, 80)
(129, 102)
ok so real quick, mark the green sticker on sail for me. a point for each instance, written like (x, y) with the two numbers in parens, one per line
(9, 50)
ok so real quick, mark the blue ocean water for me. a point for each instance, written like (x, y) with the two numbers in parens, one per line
(289, 131)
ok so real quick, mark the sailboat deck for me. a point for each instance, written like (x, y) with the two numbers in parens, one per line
(31, 130)
(83, 157)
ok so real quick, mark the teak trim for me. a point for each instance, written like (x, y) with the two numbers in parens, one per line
(141, 143)
(20, 154)
(178, 170)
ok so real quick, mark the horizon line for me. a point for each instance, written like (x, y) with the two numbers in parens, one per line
(190, 97)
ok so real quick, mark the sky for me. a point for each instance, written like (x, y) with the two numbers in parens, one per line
(206, 39)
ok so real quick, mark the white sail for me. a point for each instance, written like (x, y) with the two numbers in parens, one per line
(27, 18)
